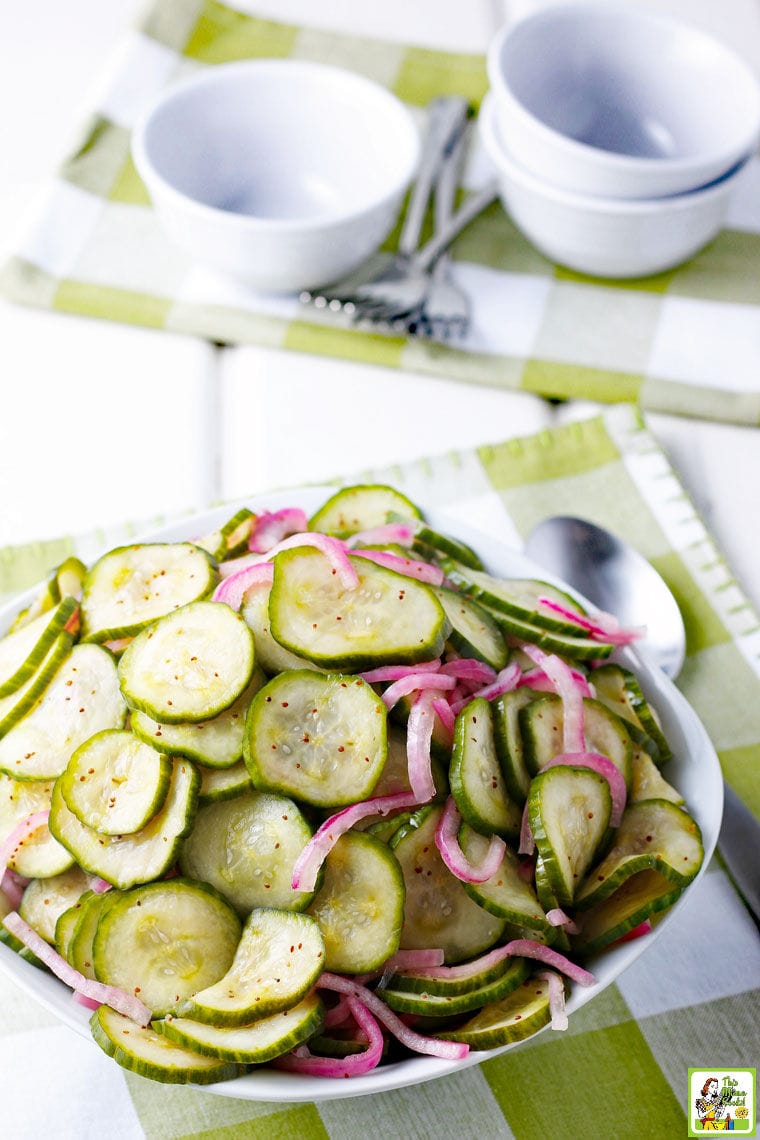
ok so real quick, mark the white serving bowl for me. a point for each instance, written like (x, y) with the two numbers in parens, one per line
(284, 174)
(610, 100)
(605, 237)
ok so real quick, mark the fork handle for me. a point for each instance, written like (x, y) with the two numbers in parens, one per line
(437, 245)
(447, 116)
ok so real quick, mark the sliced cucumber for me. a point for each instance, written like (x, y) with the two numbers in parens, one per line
(476, 778)
(279, 958)
(434, 546)
(45, 900)
(579, 648)
(89, 909)
(569, 811)
(246, 848)
(231, 538)
(360, 906)
(541, 724)
(149, 853)
(318, 737)
(653, 835)
(182, 937)
(23, 652)
(509, 742)
(248, 1044)
(115, 783)
(438, 911)
(386, 617)
(215, 743)
(132, 586)
(515, 597)
(473, 633)
(641, 896)
(189, 665)
(38, 855)
(427, 1004)
(270, 655)
(448, 986)
(82, 698)
(141, 1050)
(223, 783)
(619, 689)
(15, 706)
(66, 581)
(362, 506)
(65, 926)
(517, 1016)
(506, 894)
(647, 782)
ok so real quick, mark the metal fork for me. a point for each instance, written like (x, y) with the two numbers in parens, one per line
(356, 294)
(445, 311)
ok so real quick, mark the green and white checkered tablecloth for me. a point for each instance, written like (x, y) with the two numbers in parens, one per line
(685, 341)
(620, 1071)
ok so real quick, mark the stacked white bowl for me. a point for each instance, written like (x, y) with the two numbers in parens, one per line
(617, 135)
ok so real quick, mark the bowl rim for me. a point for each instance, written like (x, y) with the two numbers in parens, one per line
(621, 163)
(507, 164)
(220, 74)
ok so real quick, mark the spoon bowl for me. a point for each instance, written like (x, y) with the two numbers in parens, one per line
(616, 578)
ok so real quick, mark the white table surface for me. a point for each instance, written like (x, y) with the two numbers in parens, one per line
(105, 422)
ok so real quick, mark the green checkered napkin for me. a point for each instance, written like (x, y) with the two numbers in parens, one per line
(684, 341)
(621, 1068)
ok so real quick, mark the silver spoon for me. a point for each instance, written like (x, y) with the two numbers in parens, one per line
(617, 579)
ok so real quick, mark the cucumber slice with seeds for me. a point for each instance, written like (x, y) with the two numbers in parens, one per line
(14, 706)
(569, 811)
(318, 737)
(22, 652)
(515, 597)
(541, 724)
(182, 937)
(653, 835)
(272, 657)
(246, 848)
(473, 633)
(114, 783)
(360, 906)
(428, 1004)
(141, 1050)
(642, 896)
(38, 855)
(132, 586)
(517, 1016)
(361, 507)
(506, 894)
(477, 783)
(90, 908)
(189, 665)
(509, 742)
(438, 911)
(279, 958)
(253, 1044)
(223, 783)
(215, 743)
(45, 900)
(230, 539)
(386, 617)
(149, 853)
(647, 781)
(82, 698)
(575, 648)
(619, 689)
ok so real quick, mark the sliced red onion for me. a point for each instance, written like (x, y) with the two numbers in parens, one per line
(469, 669)
(232, 590)
(117, 999)
(13, 886)
(271, 527)
(449, 1050)
(537, 679)
(557, 917)
(442, 709)
(419, 734)
(332, 548)
(414, 682)
(556, 999)
(302, 1060)
(447, 842)
(602, 627)
(311, 858)
(402, 534)
(396, 672)
(570, 693)
(87, 1002)
(409, 961)
(604, 766)
(527, 843)
(517, 948)
(410, 567)
(100, 886)
(504, 682)
(337, 1014)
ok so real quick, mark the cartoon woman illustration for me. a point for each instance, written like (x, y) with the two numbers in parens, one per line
(710, 1107)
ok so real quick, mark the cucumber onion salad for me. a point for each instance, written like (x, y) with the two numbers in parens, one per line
(321, 792)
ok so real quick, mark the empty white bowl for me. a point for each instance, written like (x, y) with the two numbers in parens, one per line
(610, 100)
(284, 174)
(604, 237)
